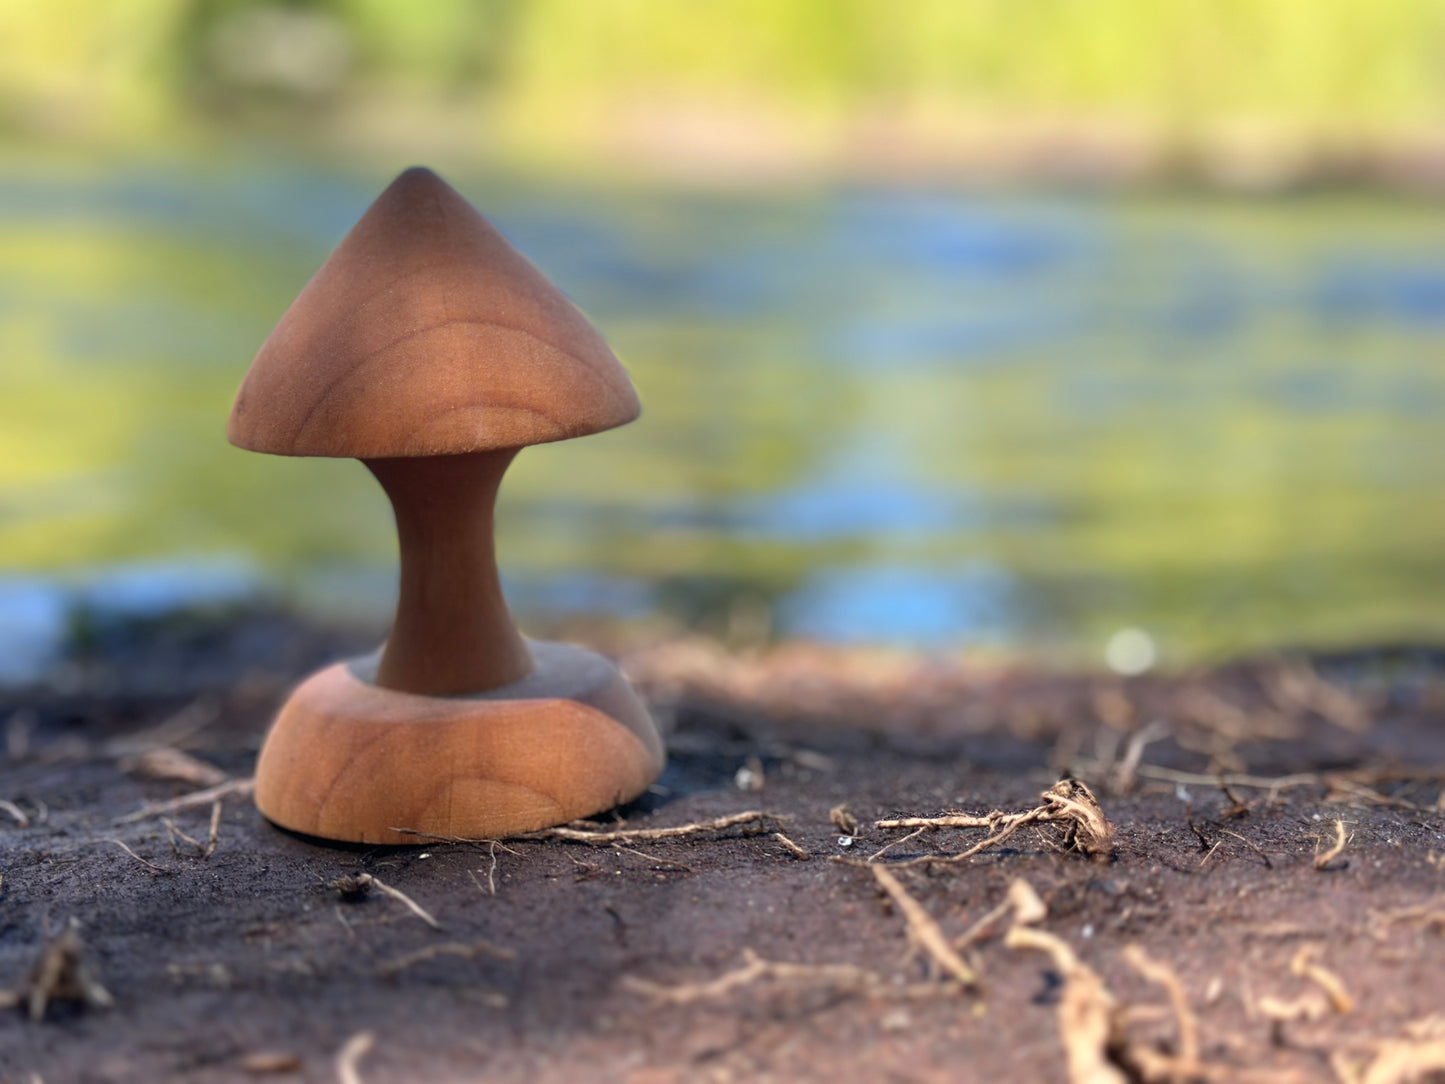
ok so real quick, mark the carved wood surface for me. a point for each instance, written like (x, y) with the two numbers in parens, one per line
(349, 760)
(427, 333)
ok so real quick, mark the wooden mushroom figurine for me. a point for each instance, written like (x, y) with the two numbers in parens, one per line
(431, 350)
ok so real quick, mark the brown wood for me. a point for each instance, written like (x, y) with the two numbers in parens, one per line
(350, 760)
(427, 347)
(426, 333)
(452, 632)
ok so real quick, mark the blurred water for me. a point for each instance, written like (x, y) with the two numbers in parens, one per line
(932, 418)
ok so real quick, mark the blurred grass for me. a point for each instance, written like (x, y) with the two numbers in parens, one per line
(1285, 81)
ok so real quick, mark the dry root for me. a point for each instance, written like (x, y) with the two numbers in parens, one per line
(170, 764)
(1161, 974)
(1324, 858)
(1093, 1025)
(195, 800)
(348, 1059)
(270, 1061)
(451, 948)
(923, 931)
(791, 847)
(640, 835)
(357, 885)
(582, 832)
(60, 975)
(1304, 966)
(1068, 805)
(843, 977)
(1090, 1022)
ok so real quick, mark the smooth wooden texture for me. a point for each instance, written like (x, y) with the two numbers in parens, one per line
(428, 348)
(426, 333)
(349, 760)
(452, 634)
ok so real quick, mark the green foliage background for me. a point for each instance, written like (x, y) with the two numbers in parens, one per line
(542, 76)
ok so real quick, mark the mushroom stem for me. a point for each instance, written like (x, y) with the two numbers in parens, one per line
(453, 633)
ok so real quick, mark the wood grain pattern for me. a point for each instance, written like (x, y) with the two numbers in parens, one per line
(349, 760)
(427, 347)
(452, 634)
(426, 333)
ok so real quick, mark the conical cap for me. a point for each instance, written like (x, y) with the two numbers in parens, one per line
(426, 333)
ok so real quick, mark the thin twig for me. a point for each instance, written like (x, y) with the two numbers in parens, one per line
(1126, 771)
(176, 831)
(622, 835)
(138, 858)
(215, 831)
(350, 1055)
(170, 764)
(451, 948)
(1068, 802)
(1161, 974)
(756, 969)
(654, 858)
(206, 849)
(1090, 1024)
(628, 835)
(1028, 910)
(1255, 847)
(881, 851)
(1324, 858)
(923, 931)
(1210, 853)
(194, 800)
(401, 897)
(21, 820)
(792, 848)
(1303, 965)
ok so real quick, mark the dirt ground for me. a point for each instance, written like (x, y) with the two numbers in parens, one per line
(731, 954)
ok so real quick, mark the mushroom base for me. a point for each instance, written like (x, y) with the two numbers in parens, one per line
(349, 760)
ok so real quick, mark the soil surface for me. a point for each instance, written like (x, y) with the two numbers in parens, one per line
(568, 961)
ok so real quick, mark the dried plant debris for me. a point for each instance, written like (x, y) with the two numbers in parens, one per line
(844, 821)
(923, 931)
(61, 975)
(753, 820)
(450, 948)
(170, 764)
(1068, 805)
(1304, 966)
(15, 813)
(792, 848)
(348, 1058)
(1091, 1024)
(1325, 857)
(1400, 1061)
(1185, 1063)
(355, 886)
(197, 799)
(846, 978)
(270, 1061)
(1094, 1024)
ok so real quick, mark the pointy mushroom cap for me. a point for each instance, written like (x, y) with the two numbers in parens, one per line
(426, 333)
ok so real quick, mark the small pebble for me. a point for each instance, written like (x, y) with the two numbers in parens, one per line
(845, 841)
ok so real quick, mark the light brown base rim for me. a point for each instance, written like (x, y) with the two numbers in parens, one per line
(347, 760)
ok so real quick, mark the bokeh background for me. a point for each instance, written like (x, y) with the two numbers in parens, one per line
(1090, 331)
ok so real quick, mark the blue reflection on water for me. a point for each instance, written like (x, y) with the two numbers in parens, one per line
(1067, 341)
(903, 603)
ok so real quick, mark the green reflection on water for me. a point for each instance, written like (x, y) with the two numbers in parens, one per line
(1218, 420)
